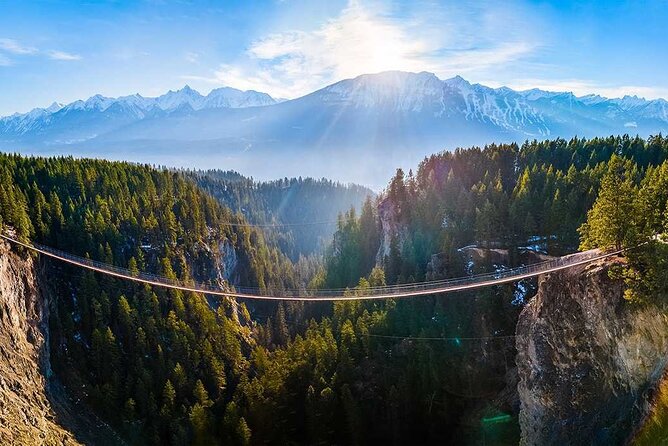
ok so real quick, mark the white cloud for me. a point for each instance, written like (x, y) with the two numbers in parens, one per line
(62, 55)
(581, 87)
(14, 47)
(192, 57)
(443, 39)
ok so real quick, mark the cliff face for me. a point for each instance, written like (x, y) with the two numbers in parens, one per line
(389, 228)
(26, 414)
(586, 359)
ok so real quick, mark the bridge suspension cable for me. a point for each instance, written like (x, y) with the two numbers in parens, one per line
(333, 294)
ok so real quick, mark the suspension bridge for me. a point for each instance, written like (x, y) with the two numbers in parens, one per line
(466, 283)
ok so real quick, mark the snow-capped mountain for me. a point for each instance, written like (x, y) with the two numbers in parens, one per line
(227, 97)
(364, 127)
(426, 93)
(128, 108)
(175, 99)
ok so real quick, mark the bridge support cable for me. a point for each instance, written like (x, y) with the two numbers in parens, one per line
(381, 292)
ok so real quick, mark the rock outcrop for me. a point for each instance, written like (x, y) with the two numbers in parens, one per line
(227, 262)
(26, 414)
(389, 228)
(586, 359)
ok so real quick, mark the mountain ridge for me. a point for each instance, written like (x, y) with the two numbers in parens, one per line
(365, 126)
(234, 97)
(172, 99)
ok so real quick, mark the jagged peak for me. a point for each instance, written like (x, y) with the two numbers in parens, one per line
(533, 94)
(232, 97)
(98, 102)
(190, 91)
(186, 89)
(54, 107)
(504, 90)
(457, 80)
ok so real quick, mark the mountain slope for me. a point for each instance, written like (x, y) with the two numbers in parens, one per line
(117, 347)
(365, 126)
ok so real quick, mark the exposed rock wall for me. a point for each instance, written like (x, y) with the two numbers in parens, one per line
(227, 262)
(26, 415)
(388, 228)
(586, 359)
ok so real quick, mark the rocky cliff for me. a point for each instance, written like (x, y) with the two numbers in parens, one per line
(35, 409)
(586, 359)
(26, 413)
(389, 228)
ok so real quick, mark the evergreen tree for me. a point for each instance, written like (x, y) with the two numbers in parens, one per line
(613, 220)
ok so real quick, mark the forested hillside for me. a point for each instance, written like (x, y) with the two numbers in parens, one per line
(532, 197)
(166, 367)
(444, 365)
(298, 215)
(159, 365)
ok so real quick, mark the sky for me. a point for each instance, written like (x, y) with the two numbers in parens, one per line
(63, 51)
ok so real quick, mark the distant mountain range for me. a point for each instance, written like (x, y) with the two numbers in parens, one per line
(354, 130)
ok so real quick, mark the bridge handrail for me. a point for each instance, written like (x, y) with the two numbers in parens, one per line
(378, 292)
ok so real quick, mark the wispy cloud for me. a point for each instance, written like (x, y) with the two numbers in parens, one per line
(18, 49)
(369, 39)
(14, 47)
(192, 57)
(62, 55)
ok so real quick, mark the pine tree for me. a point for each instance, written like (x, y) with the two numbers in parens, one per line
(243, 432)
(281, 334)
(612, 221)
(168, 400)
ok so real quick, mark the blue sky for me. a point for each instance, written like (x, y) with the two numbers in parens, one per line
(63, 51)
